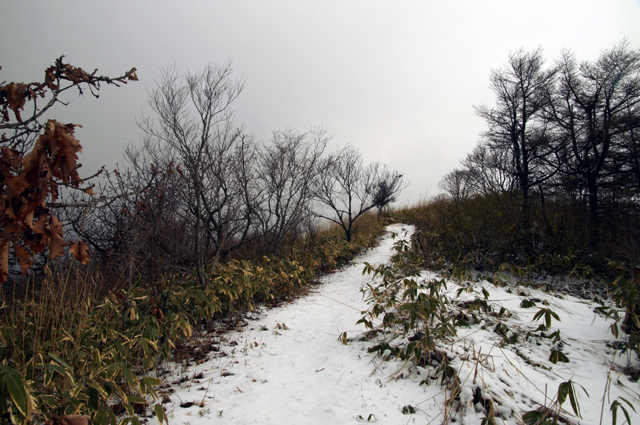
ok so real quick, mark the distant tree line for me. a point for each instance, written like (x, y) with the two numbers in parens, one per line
(564, 135)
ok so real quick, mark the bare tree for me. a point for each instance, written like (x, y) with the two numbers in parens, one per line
(141, 227)
(287, 169)
(346, 188)
(194, 118)
(458, 184)
(388, 187)
(516, 125)
(596, 108)
(230, 200)
(486, 171)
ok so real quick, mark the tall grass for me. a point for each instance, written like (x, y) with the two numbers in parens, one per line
(70, 345)
(485, 233)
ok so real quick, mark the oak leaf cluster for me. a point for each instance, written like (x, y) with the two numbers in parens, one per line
(28, 184)
(29, 180)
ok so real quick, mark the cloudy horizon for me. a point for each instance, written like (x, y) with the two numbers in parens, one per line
(399, 81)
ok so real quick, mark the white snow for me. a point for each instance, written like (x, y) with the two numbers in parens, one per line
(290, 367)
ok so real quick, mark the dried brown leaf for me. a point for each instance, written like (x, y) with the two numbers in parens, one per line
(28, 220)
(56, 243)
(58, 143)
(50, 77)
(16, 97)
(11, 158)
(80, 251)
(16, 185)
(10, 213)
(24, 257)
(131, 75)
(53, 188)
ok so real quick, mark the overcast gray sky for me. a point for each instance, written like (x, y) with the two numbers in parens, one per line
(396, 79)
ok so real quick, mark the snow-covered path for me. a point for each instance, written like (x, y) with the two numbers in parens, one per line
(289, 367)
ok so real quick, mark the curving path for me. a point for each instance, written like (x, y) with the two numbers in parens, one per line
(289, 367)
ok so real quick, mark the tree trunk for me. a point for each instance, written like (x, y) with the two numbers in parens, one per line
(198, 230)
(592, 187)
(348, 232)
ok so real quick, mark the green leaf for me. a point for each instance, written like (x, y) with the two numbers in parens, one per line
(539, 314)
(135, 399)
(131, 420)
(94, 398)
(533, 417)
(558, 356)
(626, 414)
(547, 318)
(113, 370)
(566, 389)
(614, 329)
(76, 389)
(17, 389)
(150, 381)
(100, 418)
(627, 401)
(60, 362)
(574, 402)
(555, 335)
(485, 293)
(29, 369)
(129, 376)
(160, 413)
(614, 410)
(563, 392)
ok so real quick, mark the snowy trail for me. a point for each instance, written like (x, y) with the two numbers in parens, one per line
(297, 371)
(289, 367)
